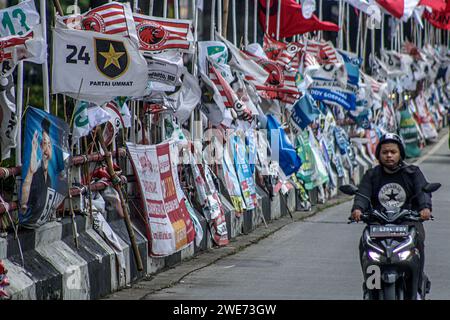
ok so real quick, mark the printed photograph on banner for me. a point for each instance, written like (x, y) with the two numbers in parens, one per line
(45, 164)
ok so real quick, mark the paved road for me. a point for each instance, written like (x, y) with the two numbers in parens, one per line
(317, 258)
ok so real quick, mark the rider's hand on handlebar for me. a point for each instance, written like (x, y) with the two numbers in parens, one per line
(356, 215)
(425, 214)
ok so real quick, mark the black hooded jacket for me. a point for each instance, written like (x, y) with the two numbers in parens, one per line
(393, 189)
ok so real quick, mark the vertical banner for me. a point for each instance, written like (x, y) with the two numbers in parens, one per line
(170, 227)
(45, 165)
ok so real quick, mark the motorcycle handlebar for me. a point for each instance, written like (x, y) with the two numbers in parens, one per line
(413, 216)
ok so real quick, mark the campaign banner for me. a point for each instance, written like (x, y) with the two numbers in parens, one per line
(45, 164)
(244, 172)
(339, 98)
(170, 227)
(96, 67)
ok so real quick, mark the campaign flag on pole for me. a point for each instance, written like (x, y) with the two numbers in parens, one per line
(400, 9)
(435, 5)
(8, 116)
(18, 19)
(110, 18)
(157, 34)
(106, 66)
(292, 21)
(352, 64)
(45, 164)
(86, 117)
(439, 18)
(304, 112)
(282, 150)
(28, 47)
(242, 62)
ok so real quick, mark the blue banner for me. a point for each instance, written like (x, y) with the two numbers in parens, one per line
(45, 166)
(345, 100)
(304, 111)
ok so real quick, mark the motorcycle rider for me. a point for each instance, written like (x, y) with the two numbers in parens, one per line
(393, 183)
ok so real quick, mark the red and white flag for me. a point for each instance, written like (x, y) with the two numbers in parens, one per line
(435, 5)
(29, 47)
(158, 34)
(241, 61)
(111, 18)
(400, 9)
(281, 83)
(292, 21)
(229, 97)
(439, 18)
(324, 52)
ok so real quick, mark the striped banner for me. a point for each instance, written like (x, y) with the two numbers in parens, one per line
(110, 18)
(158, 34)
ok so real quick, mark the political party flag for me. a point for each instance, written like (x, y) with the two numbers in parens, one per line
(400, 9)
(106, 66)
(110, 18)
(304, 111)
(352, 65)
(86, 117)
(45, 164)
(19, 19)
(434, 5)
(292, 21)
(158, 34)
(8, 116)
(282, 150)
(28, 47)
(242, 62)
(439, 18)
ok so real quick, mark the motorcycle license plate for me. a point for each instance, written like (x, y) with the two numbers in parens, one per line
(380, 231)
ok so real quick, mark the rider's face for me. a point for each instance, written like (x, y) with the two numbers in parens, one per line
(390, 155)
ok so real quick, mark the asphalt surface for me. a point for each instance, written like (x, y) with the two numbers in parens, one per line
(317, 258)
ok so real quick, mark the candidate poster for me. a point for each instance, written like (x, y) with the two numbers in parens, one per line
(170, 227)
(45, 166)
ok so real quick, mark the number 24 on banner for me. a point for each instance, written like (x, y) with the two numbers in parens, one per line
(110, 65)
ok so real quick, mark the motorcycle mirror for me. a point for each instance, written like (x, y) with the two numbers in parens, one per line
(431, 187)
(348, 189)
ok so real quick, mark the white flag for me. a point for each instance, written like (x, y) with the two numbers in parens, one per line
(8, 116)
(18, 19)
(106, 66)
(86, 117)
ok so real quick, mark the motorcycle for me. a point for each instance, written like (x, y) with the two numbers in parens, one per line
(390, 246)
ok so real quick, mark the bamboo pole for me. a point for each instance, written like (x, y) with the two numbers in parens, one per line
(255, 19)
(219, 17)
(267, 16)
(116, 181)
(213, 19)
(226, 7)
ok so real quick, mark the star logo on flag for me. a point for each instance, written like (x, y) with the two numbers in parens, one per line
(111, 58)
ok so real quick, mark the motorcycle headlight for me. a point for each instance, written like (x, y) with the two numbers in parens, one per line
(404, 255)
(374, 256)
